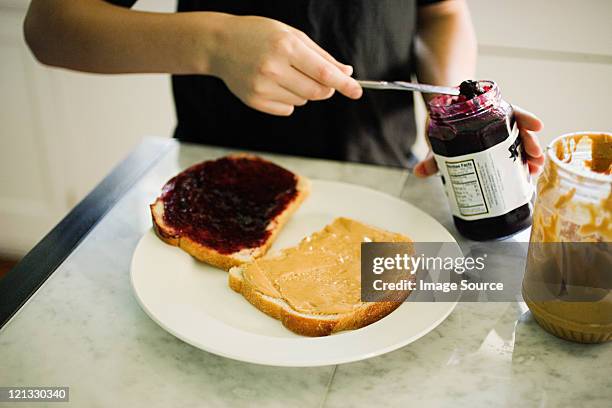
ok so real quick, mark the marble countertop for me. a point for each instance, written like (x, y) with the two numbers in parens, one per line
(84, 329)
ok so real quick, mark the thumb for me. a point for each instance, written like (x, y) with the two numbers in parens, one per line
(427, 167)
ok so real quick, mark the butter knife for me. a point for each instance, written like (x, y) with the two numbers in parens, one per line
(408, 86)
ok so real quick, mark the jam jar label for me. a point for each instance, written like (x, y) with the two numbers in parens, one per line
(489, 183)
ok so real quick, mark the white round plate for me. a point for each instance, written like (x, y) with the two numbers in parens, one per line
(192, 300)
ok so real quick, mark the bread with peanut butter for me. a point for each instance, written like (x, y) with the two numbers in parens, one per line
(314, 288)
(228, 211)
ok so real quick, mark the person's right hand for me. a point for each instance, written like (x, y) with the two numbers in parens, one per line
(273, 67)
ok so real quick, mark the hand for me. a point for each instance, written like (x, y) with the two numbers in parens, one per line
(273, 67)
(527, 123)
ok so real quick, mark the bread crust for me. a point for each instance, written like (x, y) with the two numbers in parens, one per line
(211, 256)
(313, 325)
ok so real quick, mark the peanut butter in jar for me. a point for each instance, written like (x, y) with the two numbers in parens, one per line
(568, 278)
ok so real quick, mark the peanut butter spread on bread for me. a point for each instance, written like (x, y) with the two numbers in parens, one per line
(322, 274)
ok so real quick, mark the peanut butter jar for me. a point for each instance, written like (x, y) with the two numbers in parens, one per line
(568, 277)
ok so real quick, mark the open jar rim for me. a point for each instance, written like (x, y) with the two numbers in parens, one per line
(447, 108)
(575, 170)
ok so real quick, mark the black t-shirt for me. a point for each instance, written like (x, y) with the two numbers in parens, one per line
(375, 37)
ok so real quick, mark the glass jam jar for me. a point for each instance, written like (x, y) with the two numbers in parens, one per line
(568, 277)
(476, 145)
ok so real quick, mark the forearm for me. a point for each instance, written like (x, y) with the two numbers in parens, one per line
(446, 43)
(94, 36)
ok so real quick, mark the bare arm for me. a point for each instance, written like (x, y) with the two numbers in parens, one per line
(269, 65)
(95, 36)
(446, 46)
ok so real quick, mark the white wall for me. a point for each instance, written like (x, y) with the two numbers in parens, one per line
(553, 57)
(61, 132)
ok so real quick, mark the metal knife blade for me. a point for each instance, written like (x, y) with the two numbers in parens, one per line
(408, 86)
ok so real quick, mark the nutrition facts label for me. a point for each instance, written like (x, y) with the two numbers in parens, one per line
(467, 187)
(487, 183)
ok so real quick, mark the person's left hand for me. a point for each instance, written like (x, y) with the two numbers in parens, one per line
(528, 124)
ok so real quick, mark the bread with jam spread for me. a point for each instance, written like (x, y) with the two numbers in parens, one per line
(314, 288)
(228, 211)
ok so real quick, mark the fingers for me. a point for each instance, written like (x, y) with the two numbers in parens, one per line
(269, 89)
(534, 168)
(324, 72)
(272, 107)
(528, 124)
(427, 167)
(535, 164)
(532, 146)
(527, 120)
(304, 86)
(285, 96)
(275, 99)
(347, 69)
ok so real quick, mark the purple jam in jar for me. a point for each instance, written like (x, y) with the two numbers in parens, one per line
(476, 144)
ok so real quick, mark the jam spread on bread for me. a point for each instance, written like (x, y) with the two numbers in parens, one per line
(227, 204)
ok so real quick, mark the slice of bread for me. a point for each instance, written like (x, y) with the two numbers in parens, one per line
(267, 283)
(211, 255)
